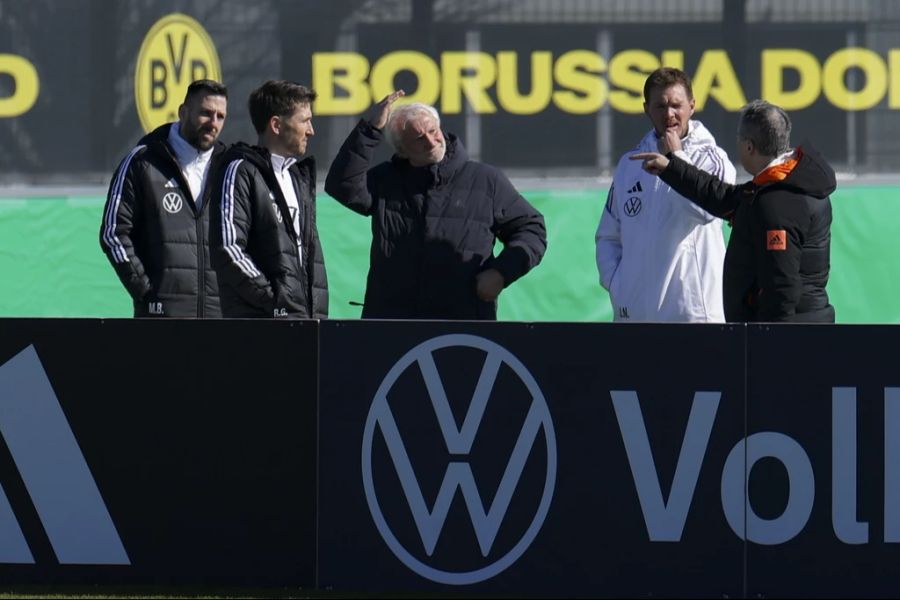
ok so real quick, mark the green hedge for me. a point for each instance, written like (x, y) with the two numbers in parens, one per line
(52, 266)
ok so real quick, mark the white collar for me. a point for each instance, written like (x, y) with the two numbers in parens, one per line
(780, 159)
(184, 152)
(282, 163)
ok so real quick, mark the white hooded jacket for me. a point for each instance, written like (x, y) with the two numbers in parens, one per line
(659, 255)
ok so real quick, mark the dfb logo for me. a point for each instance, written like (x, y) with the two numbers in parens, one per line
(54, 471)
(505, 393)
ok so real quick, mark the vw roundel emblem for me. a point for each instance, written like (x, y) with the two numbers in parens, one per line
(632, 206)
(461, 504)
(172, 202)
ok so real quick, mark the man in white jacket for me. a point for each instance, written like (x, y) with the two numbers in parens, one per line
(659, 255)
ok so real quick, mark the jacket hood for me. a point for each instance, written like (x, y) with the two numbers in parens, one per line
(698, 136)
(257, 155)
(262, 158)
(812, 176)
(454, 158)
(160, 134)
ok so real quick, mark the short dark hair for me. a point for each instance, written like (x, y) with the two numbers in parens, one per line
(767, 126)
(666, 77)
(206, 87)
(277, 97)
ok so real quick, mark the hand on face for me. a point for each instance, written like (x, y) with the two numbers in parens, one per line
(670, 142)
(670, 110)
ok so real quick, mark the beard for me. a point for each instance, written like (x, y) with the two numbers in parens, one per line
(198, 140)
(438, 153)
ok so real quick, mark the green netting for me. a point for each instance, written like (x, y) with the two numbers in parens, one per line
(51, 263)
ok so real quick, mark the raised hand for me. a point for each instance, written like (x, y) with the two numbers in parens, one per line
(378, 114)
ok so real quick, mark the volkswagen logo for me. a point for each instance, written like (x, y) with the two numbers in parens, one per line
(632, 206)
(172, 202)
(448, 511)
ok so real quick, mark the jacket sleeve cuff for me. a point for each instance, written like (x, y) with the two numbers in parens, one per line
(365, 128)
(675, 169)
(512, 263)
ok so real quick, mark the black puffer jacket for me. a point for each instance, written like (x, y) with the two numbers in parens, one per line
(262, 271)
(154, 236)
(778, 257)
(434, 228)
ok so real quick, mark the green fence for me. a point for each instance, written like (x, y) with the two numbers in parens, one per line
(51, 264)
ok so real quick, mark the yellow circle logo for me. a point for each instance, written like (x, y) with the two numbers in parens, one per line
(175, 52)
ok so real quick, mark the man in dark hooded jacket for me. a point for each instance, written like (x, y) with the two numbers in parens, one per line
(264, 240)
(156, 221)
(778, 257)
(435, 218)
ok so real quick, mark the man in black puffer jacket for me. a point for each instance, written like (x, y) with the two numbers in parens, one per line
(778, 257)
(156, 221)
(435, 218)
(264, 241)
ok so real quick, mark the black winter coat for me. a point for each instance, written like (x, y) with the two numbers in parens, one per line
(434, 228)
(778, 257)
(261, 269)
(154, 236)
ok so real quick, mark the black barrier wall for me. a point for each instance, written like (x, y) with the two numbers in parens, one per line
(199, 451)
(519, 419)
(830, 505)
(466, 458)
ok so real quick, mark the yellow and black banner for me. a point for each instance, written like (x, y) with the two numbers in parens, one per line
(523, 95)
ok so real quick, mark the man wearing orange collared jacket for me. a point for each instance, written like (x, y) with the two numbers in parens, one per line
(778, 257)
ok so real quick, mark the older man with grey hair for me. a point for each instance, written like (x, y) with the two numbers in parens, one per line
(778, 257)
(435, 218)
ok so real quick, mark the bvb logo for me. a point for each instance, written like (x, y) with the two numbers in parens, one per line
(175, 52)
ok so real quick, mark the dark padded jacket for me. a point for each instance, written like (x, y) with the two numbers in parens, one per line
(434, 228)
(778, 257)
(262, 271)
(154, 236)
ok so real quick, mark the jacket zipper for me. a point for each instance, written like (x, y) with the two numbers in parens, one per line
(198, 226)
(201, 265)
(307, 266)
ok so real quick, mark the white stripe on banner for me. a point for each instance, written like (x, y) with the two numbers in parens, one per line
(53, 468)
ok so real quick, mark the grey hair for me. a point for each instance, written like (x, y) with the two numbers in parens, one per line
(767, 126)
(402, 115)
